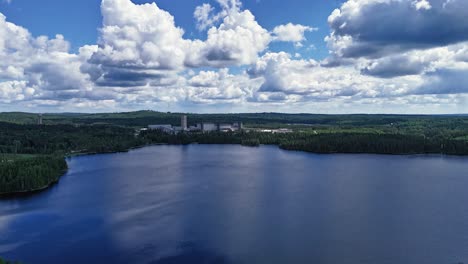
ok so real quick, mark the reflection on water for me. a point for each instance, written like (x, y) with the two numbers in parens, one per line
(189, 253)
(234, 204)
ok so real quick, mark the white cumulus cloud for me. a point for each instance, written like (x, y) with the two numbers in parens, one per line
(142, 59)
(291, 32)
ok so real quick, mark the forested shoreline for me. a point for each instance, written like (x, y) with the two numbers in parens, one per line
(2, 261)
(30, 174)
(326, 143)
(33, 156)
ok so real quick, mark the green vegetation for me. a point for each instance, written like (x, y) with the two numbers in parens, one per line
(29, 173)
(32, 156)
(2, 261)
(323, 143)
(64, 139)
(268, 120)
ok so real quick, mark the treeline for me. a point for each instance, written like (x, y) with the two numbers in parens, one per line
(62, 139)
(378, 144)
(406, 123)
(2, 261)
(30, 173)
(248, 138)
(33, 156)
(323, 143)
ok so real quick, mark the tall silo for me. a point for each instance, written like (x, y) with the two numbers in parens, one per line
(39, 120)
(183, 122)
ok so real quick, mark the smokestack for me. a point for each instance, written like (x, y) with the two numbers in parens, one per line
(39, 121)
(183, 122)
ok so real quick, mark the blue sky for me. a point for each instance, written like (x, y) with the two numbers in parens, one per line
(326, 56)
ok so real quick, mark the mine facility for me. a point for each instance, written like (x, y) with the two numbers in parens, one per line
(200, 127)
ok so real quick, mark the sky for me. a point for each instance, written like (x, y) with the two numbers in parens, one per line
(205, 56)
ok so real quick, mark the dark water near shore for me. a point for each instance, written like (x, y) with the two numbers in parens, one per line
(234, 204)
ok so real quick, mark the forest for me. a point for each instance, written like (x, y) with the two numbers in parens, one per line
(144, 118)
(32, 156)
(2, 261)
(21, 174)
(323, 143)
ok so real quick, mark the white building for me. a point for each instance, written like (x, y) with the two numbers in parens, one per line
(195, 128)
(226, 128)
(282, 131)
(209, 127)
(203, 127)
(163, 128)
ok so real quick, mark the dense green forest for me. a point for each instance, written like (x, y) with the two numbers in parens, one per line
(32, 156)
(323, 143)
(60, 139)
(19, 173)
(2, 261)
(144, 118)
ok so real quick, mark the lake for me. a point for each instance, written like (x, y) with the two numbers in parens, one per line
(233, 204)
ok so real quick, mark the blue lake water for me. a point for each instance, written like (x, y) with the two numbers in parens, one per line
(233, 204)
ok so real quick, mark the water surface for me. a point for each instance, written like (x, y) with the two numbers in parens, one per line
(233, 204)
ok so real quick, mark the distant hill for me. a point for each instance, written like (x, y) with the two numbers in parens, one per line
(144, 118)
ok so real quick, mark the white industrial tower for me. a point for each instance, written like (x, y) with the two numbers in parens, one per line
(39, 120)
(183, 123)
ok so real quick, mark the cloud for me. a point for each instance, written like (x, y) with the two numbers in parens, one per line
(389, 39)
(422, 4)
(141, 42)
(220, 86)
(306, 80)
(416, 62)
(299, 79)
(291, 32)
(395, 66)
(237, 41)
(461, 52)
(38, 68)
(143, 60)
(139, 36)
(205, 14)
(380, 27)
(445, 81)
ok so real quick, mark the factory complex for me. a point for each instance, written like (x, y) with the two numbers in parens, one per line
(200, 127)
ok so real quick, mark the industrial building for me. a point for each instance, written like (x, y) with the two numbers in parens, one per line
(163, 128)
(200, 127)
(276, 131)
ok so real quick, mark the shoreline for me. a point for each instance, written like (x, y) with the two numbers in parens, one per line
(29, 192)
(8, 195)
